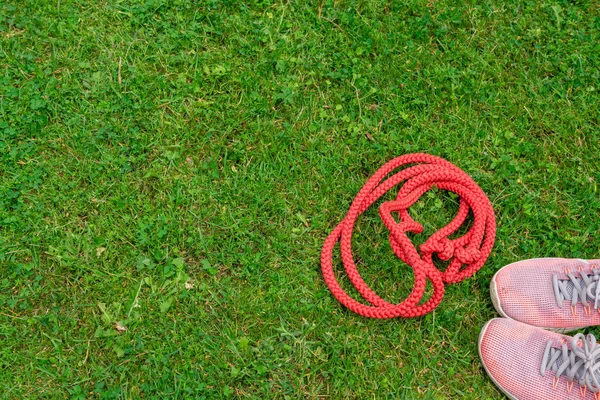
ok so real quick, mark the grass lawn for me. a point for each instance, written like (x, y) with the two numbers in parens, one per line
(170, 169)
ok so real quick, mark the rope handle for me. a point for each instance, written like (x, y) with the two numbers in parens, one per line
(466, 254)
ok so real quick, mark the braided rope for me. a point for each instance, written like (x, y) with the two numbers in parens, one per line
(471, 249)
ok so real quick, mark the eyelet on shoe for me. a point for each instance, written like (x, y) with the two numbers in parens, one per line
(554, 382)
(573, 310)
(579, 268)
(583, 391)
(569, 386)
(587, 310)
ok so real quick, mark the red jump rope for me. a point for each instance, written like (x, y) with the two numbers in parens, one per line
(467, 253)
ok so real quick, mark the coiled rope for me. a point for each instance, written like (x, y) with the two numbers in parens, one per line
(470, 250)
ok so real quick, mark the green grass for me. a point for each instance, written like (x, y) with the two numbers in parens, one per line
(149, 144)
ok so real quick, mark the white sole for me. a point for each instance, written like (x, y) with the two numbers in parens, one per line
(496, 298)
(481, 335)
(494, 295)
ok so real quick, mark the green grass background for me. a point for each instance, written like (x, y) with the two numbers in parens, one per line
(149, 144)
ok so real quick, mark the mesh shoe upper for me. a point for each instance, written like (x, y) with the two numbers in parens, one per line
(530, 363)
(542, 292)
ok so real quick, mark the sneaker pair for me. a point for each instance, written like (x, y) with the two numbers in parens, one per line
(525, 353)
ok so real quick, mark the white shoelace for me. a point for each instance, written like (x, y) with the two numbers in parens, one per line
(580, 362)
(582, 288)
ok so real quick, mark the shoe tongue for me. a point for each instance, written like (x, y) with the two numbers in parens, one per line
(570, 288)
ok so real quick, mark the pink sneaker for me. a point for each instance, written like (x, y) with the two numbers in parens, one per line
(529, 363)
(553, 293)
